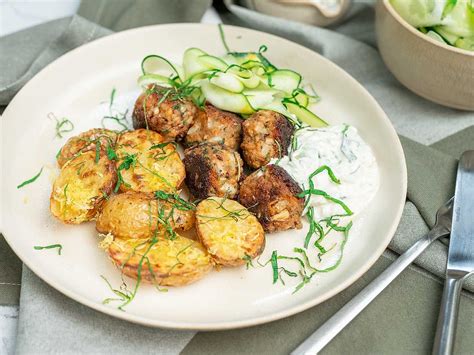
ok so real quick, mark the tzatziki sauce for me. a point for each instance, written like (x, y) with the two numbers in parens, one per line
(352, 161)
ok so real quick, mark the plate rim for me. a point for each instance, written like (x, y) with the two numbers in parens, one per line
(206, 326)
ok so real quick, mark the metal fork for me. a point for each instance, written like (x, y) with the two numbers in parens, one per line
(321, 337)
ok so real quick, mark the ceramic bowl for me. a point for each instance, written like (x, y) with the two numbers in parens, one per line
(436, 71)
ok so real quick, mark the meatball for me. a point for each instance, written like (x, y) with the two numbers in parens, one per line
(266, 135)
(213, 170)
(215, 126)
(86, 141)
(165, 111)
(270, 193)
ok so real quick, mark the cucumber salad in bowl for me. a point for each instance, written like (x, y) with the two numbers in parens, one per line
(447, 21)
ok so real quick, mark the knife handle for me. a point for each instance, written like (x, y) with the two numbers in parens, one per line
(448, 314)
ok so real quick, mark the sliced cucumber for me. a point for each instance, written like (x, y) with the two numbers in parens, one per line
(435, 36)
(259, 98)
(158, 79)
(465, 43)
(156, 64)
(226, 100)
(448, 37)
(305, 115)
(228, 82)
(210, 62)
(302, 98)
(285, 80)
(190, 64)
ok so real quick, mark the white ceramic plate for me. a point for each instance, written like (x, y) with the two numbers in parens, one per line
(76, 84)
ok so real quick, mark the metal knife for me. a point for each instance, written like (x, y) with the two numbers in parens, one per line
(460, 256)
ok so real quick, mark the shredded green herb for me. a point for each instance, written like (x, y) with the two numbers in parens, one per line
(221, 32)
(112, 97)
(52, 246)
(128, 161)
(63, 125)
(97, 151)
(274, 262)
(248, 261)
(29, 181)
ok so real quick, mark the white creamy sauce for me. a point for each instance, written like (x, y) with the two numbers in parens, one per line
(350, 158)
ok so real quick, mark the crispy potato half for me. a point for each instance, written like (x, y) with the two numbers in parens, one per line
(82, 187)
(87, 141)
(147, 163)
(229, 232)
(138, 215)
(165, 262)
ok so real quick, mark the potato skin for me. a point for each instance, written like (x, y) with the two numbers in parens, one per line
(86, 141)
(82, 187)
(271, 194)
(266, 135)
(176, 262)
(213, 170)
(154, 169)
(215, 126)
(170, 116)
(134, 215)
(229, 239)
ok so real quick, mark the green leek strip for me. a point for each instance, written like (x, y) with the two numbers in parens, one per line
(274, 262)
(152, 63)
(327, 197)
(29, 181)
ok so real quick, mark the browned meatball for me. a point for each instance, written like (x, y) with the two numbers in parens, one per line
(266, 135)
(215, 126)
(213, 170)
(271, 194)
(164, 110)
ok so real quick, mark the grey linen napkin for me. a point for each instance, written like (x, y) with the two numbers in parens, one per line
(400, 320)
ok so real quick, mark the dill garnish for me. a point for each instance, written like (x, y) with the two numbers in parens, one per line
(52, 246)
(248, 261)
(221, 32)
(274, 263)
(129, 161)
(29, 181)
(63, 125)
(112, 97)
(97, 151)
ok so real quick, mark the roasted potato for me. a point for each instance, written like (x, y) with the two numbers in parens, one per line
(168, 262)
(87, 141)
(82, 187)
(229, 232)
(215, 126)
(138, 215)
(213, 170)
(147, 162)
(165, 111)
(271, 194)
(266, 135)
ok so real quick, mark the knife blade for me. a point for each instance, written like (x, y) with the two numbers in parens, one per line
(460, 255)
(461, 244)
